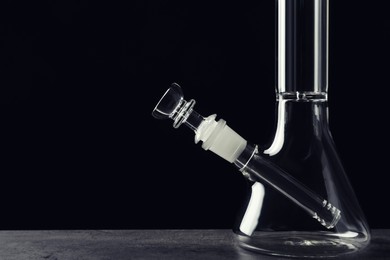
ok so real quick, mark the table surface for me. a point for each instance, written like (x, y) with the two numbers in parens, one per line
(147, 244)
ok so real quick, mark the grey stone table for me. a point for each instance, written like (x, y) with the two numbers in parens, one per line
(146, 244)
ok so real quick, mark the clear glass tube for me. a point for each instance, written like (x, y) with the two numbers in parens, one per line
(257, 168)
(302, 52)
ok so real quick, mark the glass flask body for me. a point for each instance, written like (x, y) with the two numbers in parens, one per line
(270, 222)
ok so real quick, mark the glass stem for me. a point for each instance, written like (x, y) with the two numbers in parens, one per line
(257, 168)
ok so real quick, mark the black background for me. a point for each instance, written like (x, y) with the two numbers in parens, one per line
(80, 149)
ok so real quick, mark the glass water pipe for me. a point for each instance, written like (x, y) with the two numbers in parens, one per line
(219, 138)
(299, 176)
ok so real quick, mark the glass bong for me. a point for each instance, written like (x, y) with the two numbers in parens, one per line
(301, 203)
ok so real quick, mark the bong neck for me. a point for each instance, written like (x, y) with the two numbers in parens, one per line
(301, 71)
(302, 53)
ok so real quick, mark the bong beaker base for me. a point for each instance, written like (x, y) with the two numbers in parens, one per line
(304, 148)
